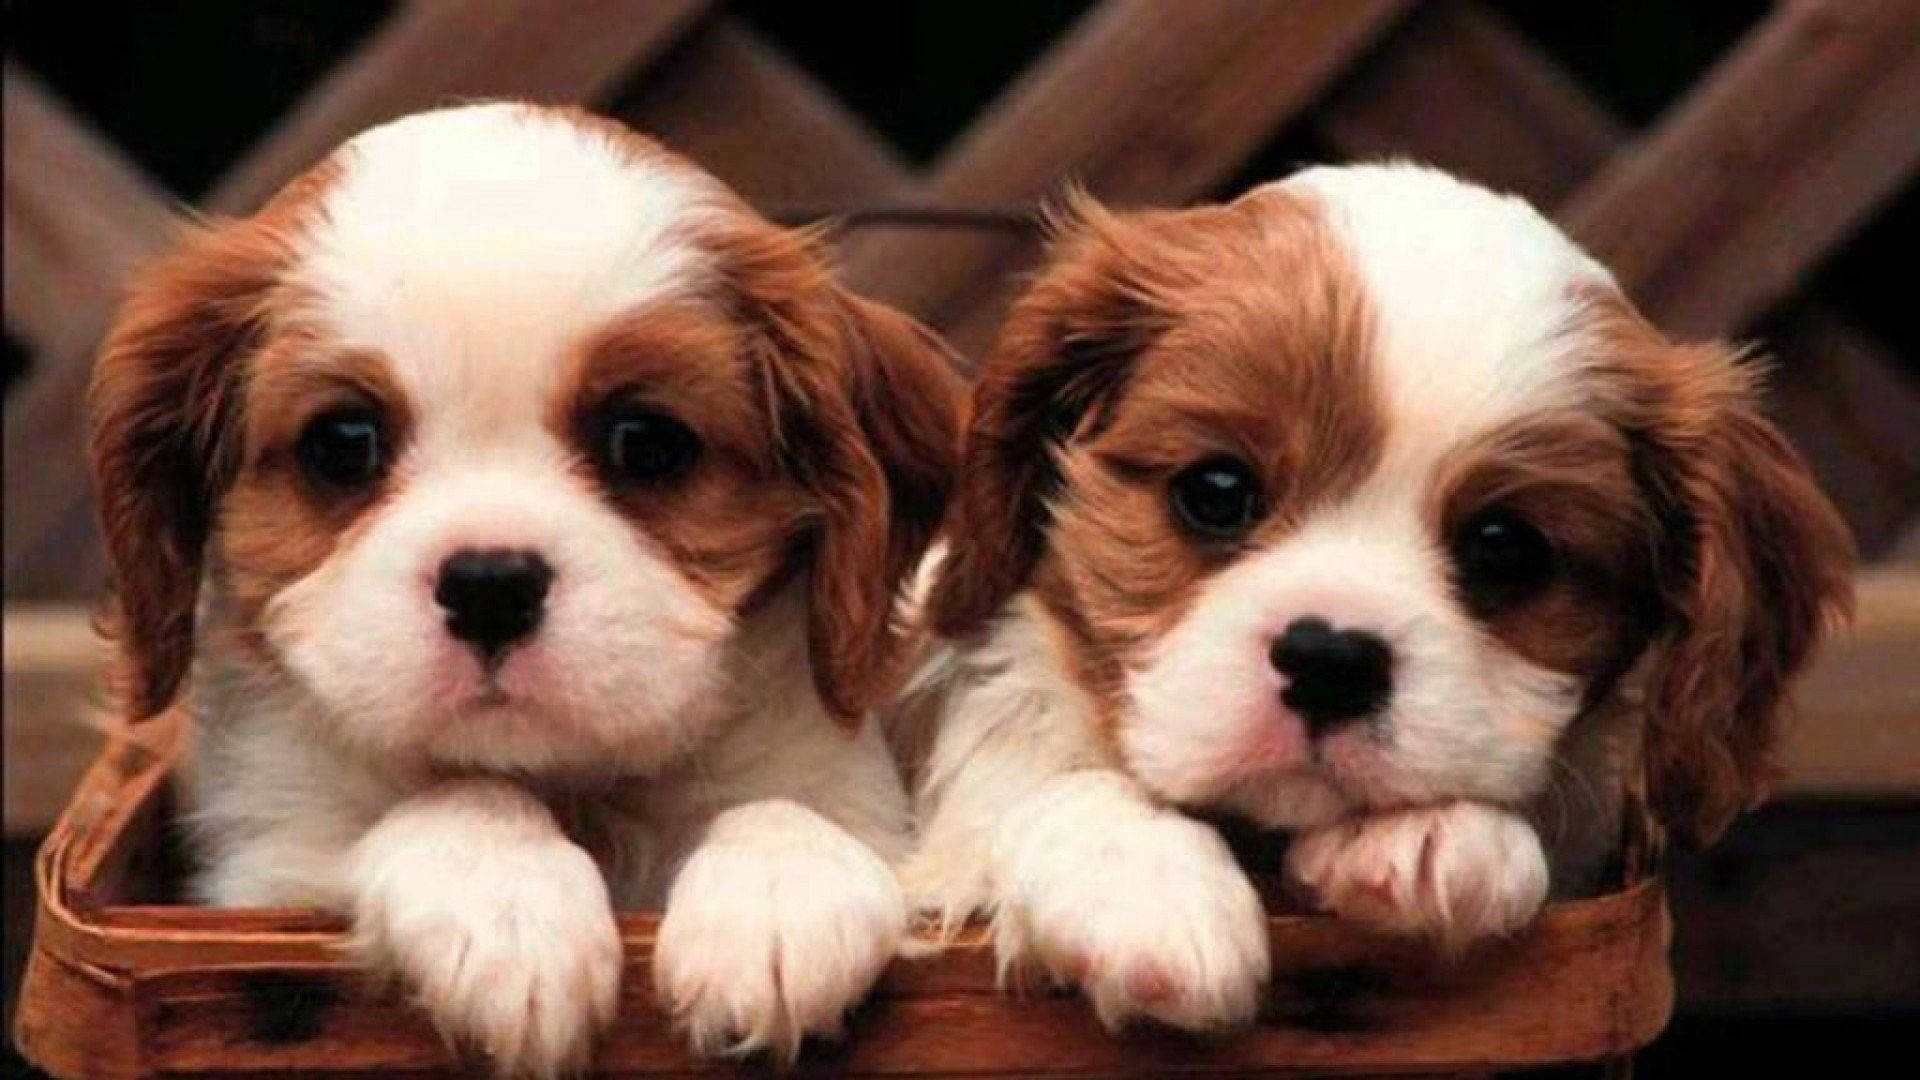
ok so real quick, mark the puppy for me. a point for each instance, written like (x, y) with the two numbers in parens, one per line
(1366, 508)
(523, 517)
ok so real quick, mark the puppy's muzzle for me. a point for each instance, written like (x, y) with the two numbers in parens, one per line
(1333, 675)
(493, 597)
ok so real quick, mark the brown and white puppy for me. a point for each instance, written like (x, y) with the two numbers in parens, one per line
(1363, 507)
(523, 517)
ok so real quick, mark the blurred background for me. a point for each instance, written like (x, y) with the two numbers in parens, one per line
(1748, 169)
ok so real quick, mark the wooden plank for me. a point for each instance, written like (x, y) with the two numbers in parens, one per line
(51, 732)
(1143, 101)
(435, 51)
(79, 221)
(735, 104)
(1906, 549)
(1850, 405)
(79, 217)
(1460, 88)
(1344, 1004)
(1785, 146)
(1857, 732)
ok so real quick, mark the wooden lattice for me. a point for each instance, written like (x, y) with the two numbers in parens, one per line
(1713, 217)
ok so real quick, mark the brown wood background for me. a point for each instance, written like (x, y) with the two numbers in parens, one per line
(1715, 215)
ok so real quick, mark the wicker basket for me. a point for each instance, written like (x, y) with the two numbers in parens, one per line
(120, 984)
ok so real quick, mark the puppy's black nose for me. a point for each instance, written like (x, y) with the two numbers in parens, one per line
(493, 596)
(1332, 675)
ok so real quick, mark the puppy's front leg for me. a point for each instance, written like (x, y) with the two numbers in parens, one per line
(500, 925)
(776, 925)
(1142, 906)
(1456, 873)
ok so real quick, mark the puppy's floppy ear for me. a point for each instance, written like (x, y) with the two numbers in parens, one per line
(906, 394)
(163, 445)
(1757, 565)
(1066, 349)
(866, 405)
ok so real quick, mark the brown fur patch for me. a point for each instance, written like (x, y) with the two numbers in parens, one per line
(274, 526)
(828, 430)
(863, 405)
(164, 407)
(732, 519)
(1754, 565)
(1571, 475)
(1151, 342)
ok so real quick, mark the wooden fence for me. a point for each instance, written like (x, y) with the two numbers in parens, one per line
(1713, 217)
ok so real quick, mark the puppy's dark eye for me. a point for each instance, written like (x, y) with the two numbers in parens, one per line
(343, 449)
(1502, 558)
(641, 446)
(1216, 498)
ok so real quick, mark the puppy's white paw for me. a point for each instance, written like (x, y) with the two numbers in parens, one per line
(498, 925)
(779, 922)
(1143, 908)
(1457, 873)
(945, 884)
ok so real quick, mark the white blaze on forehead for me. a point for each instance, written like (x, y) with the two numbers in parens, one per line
(1470, 295)
(473, 246)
